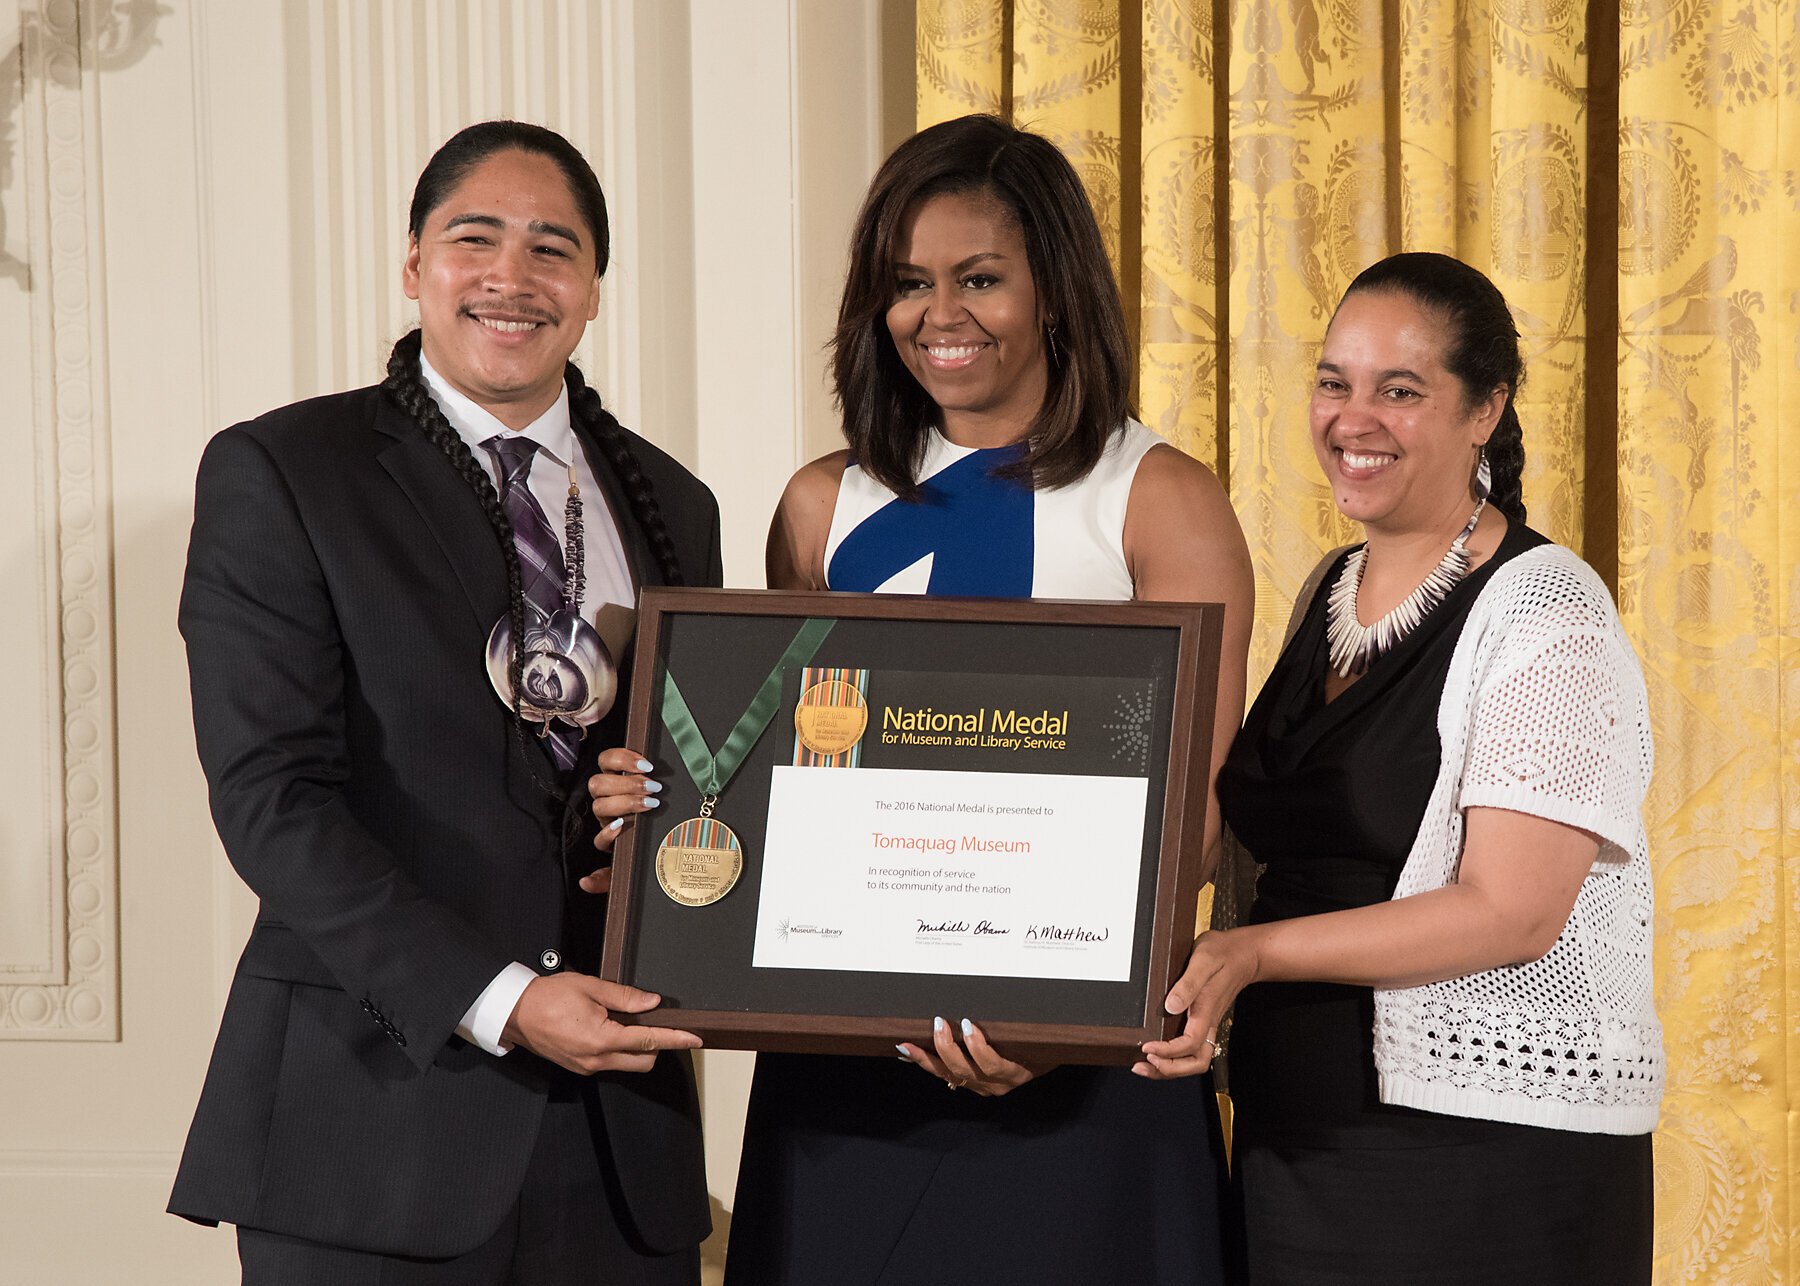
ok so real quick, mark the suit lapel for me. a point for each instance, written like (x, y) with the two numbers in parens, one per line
(450, 511)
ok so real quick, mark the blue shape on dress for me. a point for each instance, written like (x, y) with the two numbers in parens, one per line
(980, 530)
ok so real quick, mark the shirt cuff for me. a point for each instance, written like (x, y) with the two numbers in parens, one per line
(486, 1018)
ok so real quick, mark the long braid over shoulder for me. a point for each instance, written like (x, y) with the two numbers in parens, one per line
(405, 387)
(584, 403)
(1506, 458)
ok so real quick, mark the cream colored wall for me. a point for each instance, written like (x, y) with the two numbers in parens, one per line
(201, 217)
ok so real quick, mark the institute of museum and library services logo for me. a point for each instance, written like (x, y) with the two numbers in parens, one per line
(784, 930)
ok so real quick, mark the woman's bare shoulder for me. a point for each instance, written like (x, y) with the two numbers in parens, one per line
(795, 557)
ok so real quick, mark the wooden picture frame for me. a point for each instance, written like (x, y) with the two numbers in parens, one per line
(1153, 666)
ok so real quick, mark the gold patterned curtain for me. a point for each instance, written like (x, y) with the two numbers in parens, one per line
(1628, 171)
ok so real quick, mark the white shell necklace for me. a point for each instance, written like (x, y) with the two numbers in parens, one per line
(1354, 647)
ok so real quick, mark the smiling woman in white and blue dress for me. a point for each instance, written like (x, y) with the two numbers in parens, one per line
(1445, 1063)
(983, 369)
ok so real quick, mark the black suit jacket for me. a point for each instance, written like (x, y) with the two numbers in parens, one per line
(369, 787)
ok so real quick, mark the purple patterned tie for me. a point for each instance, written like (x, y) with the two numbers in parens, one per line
(540, 556)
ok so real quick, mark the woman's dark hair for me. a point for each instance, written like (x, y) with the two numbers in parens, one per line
(886, 412)
(469, 147)
(406, 387)
(1482, 353)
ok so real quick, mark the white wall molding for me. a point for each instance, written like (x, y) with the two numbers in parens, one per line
(87, 1163)
(62, 983)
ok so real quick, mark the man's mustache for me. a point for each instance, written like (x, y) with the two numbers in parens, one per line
(515, 312)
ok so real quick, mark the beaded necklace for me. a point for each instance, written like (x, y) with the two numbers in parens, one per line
(567, 674)
(1354, 647)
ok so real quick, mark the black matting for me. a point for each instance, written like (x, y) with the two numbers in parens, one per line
(700, 957)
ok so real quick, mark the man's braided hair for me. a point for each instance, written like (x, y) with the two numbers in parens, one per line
(406, 387)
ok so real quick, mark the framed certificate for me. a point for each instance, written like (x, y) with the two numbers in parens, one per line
(880, 808)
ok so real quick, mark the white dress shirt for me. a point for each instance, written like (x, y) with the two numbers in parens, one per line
(608, 581)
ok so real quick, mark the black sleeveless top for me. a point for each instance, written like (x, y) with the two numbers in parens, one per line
(1329, 796)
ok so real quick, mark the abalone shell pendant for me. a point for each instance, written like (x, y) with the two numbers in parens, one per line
(567, 674)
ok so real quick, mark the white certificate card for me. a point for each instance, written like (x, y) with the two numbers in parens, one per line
(904, 870)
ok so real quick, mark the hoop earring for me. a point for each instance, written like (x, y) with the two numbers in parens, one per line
(1484, 473)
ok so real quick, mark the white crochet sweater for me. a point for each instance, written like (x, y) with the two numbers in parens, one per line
(1544, 712)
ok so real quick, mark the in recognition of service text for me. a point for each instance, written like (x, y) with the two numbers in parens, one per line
(923, 871)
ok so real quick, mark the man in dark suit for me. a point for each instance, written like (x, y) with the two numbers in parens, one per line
(417, 1076)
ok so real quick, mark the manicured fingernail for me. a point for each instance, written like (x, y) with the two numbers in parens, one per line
(937, 1024)
(653, 786)
(652, 803)
(968, 1028)
(616, 823)
(644, 765)
(904, 1056)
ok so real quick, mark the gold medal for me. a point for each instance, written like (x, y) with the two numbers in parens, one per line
(831, 717)
(700, 860)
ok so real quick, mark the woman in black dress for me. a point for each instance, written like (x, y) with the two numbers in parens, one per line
(1445, 1063)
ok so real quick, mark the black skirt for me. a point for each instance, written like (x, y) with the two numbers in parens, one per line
(1530, 1205)
(860, 1171)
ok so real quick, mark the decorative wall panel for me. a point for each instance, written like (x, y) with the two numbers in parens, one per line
(58, 842)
